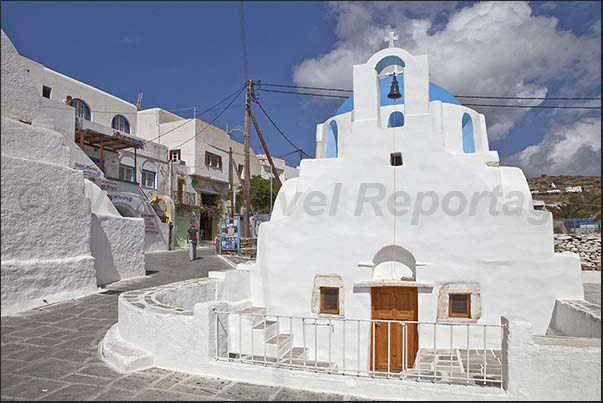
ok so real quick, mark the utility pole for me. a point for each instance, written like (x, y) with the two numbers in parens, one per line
(232, 193)
(301, 155)
(257, 129)
(247, 185)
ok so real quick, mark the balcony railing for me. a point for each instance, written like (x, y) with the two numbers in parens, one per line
(347, 347)
(185, 198)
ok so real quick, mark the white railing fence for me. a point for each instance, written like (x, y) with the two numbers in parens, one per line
(451, 352)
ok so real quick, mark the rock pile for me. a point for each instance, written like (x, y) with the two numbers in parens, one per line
(588, 246)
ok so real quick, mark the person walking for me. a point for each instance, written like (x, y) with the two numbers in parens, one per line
(191, 237)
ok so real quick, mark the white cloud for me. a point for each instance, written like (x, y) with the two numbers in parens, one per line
(488, 48)
(573, 149)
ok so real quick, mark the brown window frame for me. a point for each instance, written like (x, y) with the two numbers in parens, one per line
(323, 309)
(174, 152)
(213, 160)
(467, 314)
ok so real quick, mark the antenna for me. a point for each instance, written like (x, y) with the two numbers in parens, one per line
(139, 102)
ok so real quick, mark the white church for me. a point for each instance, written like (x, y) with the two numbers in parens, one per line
(402, 249)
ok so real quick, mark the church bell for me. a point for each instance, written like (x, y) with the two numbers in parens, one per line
(394, 91)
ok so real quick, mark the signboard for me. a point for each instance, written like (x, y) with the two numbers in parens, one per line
(230, 234)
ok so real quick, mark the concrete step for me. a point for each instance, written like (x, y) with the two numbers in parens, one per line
(270, 331)
(123, 355)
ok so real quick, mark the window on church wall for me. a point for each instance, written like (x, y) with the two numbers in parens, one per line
(395, 159)
(467, 133)
(329, 300)
(396, 119)
(459, 305)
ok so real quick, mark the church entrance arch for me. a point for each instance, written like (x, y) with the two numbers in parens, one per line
(395, 345)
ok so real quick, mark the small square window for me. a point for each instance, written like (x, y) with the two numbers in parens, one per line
(459, 306)
(46, 91)
(329, 300)
(175, 155)
(395, 159)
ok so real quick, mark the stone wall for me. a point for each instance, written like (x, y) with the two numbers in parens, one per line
(588, 246)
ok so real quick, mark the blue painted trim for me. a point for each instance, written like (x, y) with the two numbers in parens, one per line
(332, 135)
(436, 93)
(396, 119)
(468, 136)
(389, 61)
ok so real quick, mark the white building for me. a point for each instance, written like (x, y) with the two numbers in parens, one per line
(403, 251)
(284, 171)
(390, 221)
(61, 235)
(573, 189)
(199, 169)
(131, 171)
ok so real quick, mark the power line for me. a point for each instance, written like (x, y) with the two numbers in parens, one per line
(458, 96)
(544, 98)
(306, 88)
(536, 106)
(216, 118)
(286, 154)
(199, 114)
(305, 93)
(279, 130)
(490, 105)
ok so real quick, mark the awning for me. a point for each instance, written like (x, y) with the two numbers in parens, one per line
(114, 142)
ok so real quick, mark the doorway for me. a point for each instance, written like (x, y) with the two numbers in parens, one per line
(206, 221)
(394, 303)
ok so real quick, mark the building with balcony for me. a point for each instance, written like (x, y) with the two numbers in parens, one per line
(199, 167)
(101, 131)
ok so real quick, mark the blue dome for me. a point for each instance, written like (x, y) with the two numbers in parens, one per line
(436, 93)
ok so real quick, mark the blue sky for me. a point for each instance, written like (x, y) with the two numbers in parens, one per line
(181, 54)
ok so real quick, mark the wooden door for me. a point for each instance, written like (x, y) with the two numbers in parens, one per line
(394, 303)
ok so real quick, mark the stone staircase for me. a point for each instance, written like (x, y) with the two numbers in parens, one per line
(253, 336)
(263, 341)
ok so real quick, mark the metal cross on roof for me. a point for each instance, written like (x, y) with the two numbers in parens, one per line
(391, 38)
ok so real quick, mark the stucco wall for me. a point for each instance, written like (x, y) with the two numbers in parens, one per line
(549, 368)
(45, 234)
(324, 223)
(103, 106)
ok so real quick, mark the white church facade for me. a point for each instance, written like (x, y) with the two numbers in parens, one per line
(402, 249)
(406, 202)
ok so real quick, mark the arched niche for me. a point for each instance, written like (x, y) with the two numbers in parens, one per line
(332, 137)
(396, 119)
(387, 61)
(468, 136)
(394, 263)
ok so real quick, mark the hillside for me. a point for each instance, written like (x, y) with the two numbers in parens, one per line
(591, 187)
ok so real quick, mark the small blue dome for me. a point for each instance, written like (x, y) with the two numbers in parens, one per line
(436, 93)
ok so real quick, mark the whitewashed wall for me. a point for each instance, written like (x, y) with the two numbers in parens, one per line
(103, 106)
(45, 215)
(511, 256)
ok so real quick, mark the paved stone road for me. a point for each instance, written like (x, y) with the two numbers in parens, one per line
(51, 353)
